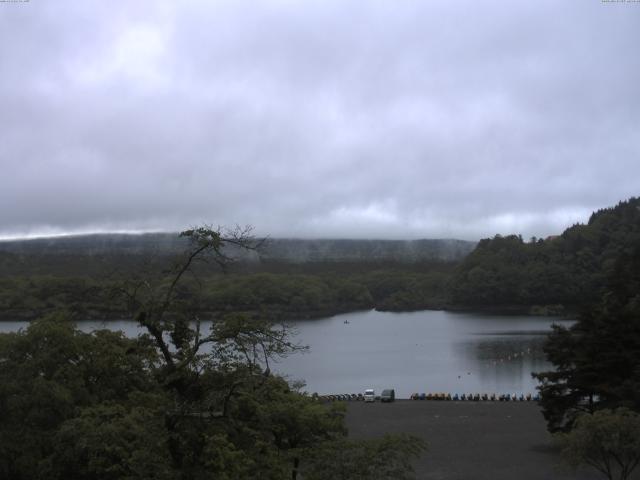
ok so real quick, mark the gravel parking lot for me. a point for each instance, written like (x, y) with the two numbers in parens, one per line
(469, 440)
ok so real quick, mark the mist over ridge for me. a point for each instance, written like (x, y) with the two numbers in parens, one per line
(278, 249)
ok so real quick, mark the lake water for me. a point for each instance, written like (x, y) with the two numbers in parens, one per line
(426, 351)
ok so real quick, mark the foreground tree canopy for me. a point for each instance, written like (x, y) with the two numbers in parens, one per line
(174, 403)
(606, 440)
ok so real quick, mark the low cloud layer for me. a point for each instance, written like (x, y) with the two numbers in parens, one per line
(317, 119)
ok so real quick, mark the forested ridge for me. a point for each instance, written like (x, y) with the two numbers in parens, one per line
(565, 271)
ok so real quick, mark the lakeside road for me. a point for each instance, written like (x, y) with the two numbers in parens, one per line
(469, 440)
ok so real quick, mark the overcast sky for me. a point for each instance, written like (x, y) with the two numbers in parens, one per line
(387, 119)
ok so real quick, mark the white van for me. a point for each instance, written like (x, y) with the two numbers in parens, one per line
(369, 395)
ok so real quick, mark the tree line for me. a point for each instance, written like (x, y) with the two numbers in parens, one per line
(284, 294)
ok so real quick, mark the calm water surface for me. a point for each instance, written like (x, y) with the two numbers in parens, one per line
(427, 351)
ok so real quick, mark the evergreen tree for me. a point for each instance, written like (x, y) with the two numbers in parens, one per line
(597, 360)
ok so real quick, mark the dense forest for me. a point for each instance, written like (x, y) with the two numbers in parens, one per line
(506, 273)
(566, 271)
(318, 278)
(282, 295)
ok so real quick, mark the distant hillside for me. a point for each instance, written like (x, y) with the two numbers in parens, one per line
(97, 244)
(567, 270)
(291, 250)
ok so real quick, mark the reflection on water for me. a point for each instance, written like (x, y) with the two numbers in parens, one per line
(508, 357)
(428, 351)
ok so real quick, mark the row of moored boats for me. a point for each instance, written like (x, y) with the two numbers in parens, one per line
(344, 397)
(464, 397)
(477, 397)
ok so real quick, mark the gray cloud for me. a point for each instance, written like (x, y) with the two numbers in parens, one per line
(340, 119)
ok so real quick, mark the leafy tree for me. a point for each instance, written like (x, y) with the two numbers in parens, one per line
(112, 441)
(52, 372)
(607, 440)
(377, 459)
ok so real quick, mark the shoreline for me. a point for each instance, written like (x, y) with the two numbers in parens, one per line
(535, 311)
